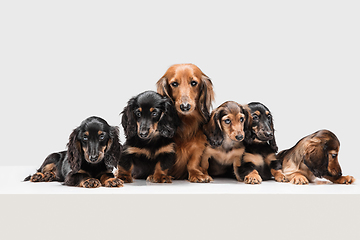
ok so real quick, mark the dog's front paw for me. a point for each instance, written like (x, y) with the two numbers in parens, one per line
(126, 178)
(345, 180)
(114, 183)
(299, 179)
(253, 178)
(279, 177)
(90, 183)
(159, 178)
(199, 177)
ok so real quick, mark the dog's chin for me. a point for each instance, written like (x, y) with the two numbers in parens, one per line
(148, 137)
(189, 112)
(263, 138)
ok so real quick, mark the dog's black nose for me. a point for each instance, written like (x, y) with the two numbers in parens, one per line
(239, 137)
(144, 134)
(185, 107)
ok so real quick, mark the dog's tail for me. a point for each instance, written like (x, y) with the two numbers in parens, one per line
(27, 178)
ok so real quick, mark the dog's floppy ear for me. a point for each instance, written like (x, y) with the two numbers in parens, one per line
(169, 121)
(249, 134)
(163, 87)
(113, 149)
(272, 142)
(74, 151)
(315, 157)
(247, 123)
(206, 96)
(213, 131)
(128, 119)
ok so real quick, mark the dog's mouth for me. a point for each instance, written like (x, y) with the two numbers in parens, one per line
(264, 136)
(95, 158)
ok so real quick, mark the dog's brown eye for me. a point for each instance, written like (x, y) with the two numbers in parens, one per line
(241, 119)
(193, 83)
(101, 137)
(154, 114)
(227, 121)
(334, 155)
(174, 84)
(85, 138)
(138, 114)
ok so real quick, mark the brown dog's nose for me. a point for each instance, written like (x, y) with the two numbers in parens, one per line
(185, 107)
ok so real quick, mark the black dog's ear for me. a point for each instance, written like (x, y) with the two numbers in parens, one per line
(213, 131)
(113, 149)
(206, 96)
(74, 151)
(315, 157)
(169, 121)
(128, 119)
(249, 134)
(247, 123)
(272, 142)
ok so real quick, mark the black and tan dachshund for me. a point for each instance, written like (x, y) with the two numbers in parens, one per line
(259, 161)
(149, 121)
(93, 151)
(315, 155)
(229, 124)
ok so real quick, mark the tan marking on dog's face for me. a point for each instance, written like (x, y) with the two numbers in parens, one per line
(233, 126)
(100, 132)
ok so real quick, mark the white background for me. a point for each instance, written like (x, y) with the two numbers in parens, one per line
(63, 61)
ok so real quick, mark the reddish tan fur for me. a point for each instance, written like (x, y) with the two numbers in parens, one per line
(190, 140)
(107, 181)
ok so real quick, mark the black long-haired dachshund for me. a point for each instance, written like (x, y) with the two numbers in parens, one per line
(93, 152)
(150, 121)
(259, 161)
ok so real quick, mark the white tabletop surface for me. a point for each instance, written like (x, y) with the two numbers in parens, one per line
(12, 183)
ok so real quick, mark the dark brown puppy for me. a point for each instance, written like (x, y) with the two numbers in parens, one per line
(315, 155)
(259, 161)
(192, 93)
(93, 151)
(228, 126)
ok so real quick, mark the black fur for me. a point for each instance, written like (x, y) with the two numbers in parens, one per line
(93, 150)
(261, 141)
(150, 122)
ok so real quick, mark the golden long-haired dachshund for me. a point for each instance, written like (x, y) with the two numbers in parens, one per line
(192, 93)
(315, 155)
(229, 124)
